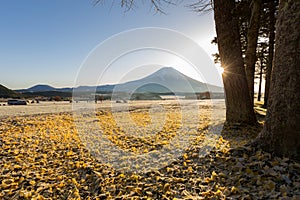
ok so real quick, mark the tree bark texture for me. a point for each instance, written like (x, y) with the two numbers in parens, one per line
(238, 105)
(272, 8)
(260, 81)
(252, 36)
(281, 132)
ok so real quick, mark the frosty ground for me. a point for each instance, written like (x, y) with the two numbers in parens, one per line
(45, 154)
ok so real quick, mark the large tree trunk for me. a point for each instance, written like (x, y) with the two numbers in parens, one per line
(238, 105)
(281, 132)
(252, 36)
(272, 8)
(260, 80)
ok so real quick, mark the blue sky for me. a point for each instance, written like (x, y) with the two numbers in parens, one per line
(46, 42)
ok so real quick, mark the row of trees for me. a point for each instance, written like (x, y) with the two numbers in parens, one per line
(256, 21)
(246, 37)
(281, 132)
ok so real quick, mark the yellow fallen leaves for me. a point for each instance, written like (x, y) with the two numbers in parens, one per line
(25, 194)
(69, 153)
(166, 188)
(35, 146)
(42, 157)
(233, 190)
(133, 134)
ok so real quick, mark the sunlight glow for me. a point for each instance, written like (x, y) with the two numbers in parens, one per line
(221, 70)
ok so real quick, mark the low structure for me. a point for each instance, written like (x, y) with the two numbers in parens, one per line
(16, 102)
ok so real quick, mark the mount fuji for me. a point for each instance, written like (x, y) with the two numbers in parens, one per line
(164, 80)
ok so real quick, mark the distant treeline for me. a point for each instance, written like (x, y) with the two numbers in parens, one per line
(47, 94)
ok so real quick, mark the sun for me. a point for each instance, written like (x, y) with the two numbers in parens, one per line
(221, 70)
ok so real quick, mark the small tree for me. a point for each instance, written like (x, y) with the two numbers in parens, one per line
(262, 56)
(252, 37)
(57, 98)
(271, 37)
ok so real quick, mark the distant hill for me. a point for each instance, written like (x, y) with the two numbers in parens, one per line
(8, 93)
(166, 80)
(45, 91)
(41, 88)
(44, 88)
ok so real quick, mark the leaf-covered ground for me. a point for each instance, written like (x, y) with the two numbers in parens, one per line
(42, 157)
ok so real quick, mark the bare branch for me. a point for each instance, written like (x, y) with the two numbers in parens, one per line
(128, 5)
(202, 6)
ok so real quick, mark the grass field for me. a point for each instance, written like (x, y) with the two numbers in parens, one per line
(57, 155)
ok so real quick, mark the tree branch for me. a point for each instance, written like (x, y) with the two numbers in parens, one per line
(128, 5)
(203, 6)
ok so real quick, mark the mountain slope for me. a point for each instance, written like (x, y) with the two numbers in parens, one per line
(7, 93)
(167, 80)
(41, 88)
